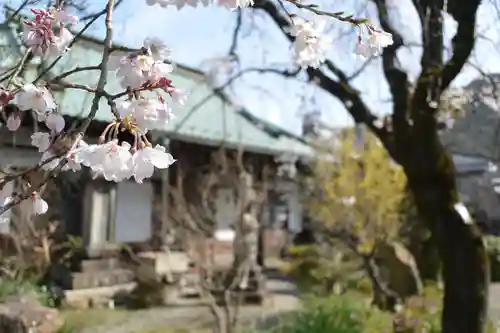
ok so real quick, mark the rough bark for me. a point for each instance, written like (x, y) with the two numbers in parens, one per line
(465, 268)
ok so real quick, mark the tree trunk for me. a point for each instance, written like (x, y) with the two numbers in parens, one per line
(383, 297)
(465, 266)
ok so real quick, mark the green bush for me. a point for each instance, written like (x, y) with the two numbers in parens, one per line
(352, 313)
(339, 314)
(492, 244)
(322, 269)
(14, 287)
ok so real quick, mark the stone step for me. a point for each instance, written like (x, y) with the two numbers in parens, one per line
(111, 277)
(85, 298)
(98, 265)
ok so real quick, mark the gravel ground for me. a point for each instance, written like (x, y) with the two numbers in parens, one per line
(281, 298)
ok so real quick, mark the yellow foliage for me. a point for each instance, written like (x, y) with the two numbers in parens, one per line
(359, 192)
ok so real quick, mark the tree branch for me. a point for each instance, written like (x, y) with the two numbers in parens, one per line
(237, 28)
(341, 89)
(103, 66)
(463, 41)
(395, 76)
(426, 97)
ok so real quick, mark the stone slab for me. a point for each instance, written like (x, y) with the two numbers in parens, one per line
(105, 278)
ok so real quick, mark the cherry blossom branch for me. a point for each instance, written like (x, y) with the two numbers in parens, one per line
(103, 66)
(73, 41)
(15, 200)
(20, 197)
(90, 16)
(337, 15)
(19, 66)
(17, 11)
(73, 71)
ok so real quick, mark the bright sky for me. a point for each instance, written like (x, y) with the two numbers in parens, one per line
(196, 35)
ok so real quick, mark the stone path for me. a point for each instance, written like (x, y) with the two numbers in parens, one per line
(282, 299)
(494, 306)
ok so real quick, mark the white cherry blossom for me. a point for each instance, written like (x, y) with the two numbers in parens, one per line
(62, 42)
(39, 206)
(41, 140)
(157, 48)
(55, 122)
(63, 17)
(13, 122)
(147, 113)
(311, 44)
(164, 113)
(191, 3)
(179, 96)
(363, 50)
(234, 4)
(38, 99)
(146, 159)
(231, 4)
(131, 70)
(380, 39)
(158, 70)
(162, 3)
(377, 40)
(111, 160)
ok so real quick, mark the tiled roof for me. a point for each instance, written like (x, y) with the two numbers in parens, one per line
(207, 118)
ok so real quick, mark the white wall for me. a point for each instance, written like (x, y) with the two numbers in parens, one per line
(134, 204)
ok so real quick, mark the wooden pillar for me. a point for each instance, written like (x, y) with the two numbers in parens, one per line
(165, 192)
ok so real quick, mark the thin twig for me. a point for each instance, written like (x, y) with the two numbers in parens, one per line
(103, 77)
(337, 15)
(19, 67)
(18, 10)
(73, 41)
(73, 71)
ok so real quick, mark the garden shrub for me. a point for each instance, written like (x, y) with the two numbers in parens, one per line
(339, 314)
(18, 287)
(352, 313)
(493, 249)
(325, 269)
